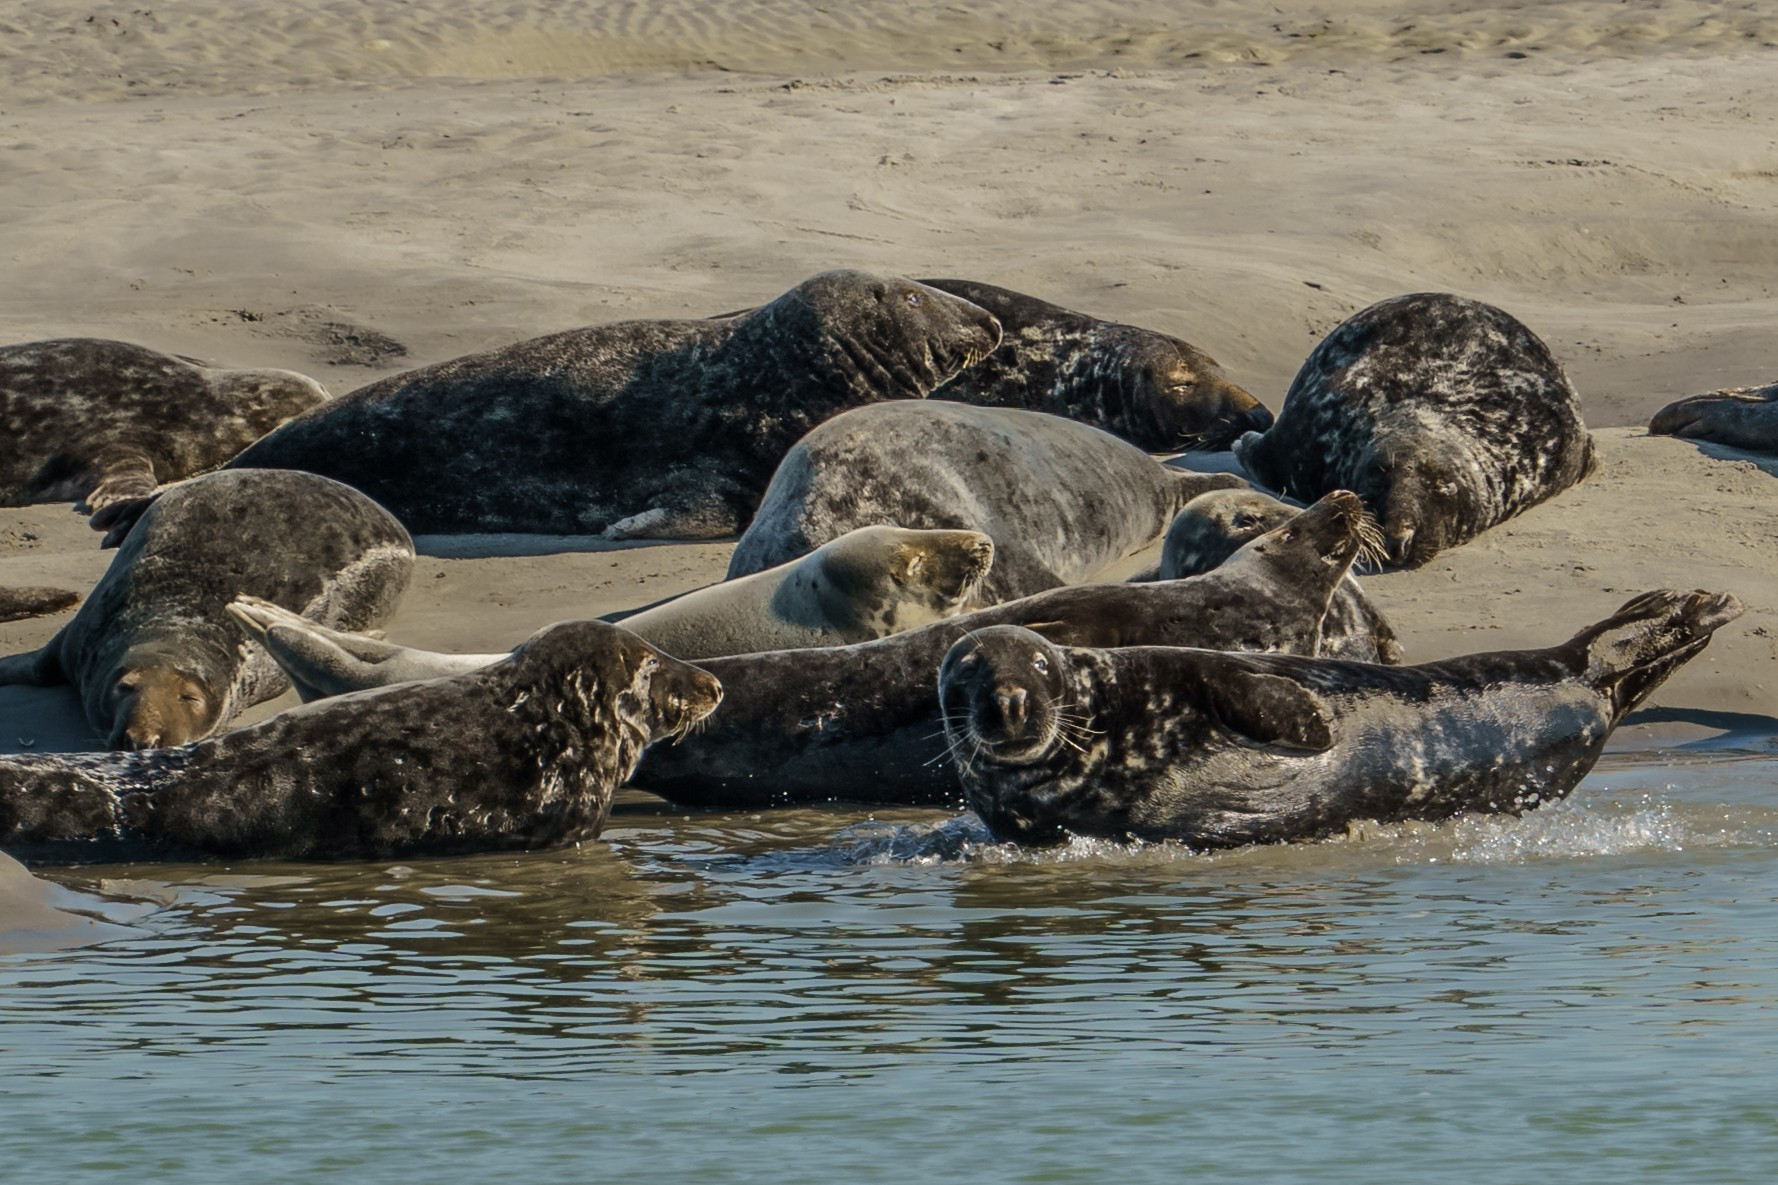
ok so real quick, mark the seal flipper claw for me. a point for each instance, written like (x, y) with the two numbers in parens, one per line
(125, 474)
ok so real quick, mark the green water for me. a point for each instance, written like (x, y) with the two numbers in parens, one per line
(1583, 995)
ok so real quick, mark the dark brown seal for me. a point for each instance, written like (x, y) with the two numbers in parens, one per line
(1060, 500)
(153, 652)
(1152, 389)
(1217, 750)
(862, 723)
(96, 421)
(16, 604)
(524, 754)
(642, 429)
(1741, 417)
(1445, 415)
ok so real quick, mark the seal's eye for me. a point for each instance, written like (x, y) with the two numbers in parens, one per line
(189, 698)
(1184, 386)
(913, 300)
(1243, 521)
(1040, 664)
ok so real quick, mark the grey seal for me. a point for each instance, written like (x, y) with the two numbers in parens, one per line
(525, 754)
(1741, 417)
(153, 653)
(1446, 415)
(18, 603)
(96, 421)
(640, 429)
(866, 584)
(1217, 750)
(1061, 500)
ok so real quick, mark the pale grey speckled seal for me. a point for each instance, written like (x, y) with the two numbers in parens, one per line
(524, 754)
(1217, 750)
(152, 651)
(96, 421)
(642, 429)
(1445, 415)
(1061, 500)
(1741, 417)
(866, 584)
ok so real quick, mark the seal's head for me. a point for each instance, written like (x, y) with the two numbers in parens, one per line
(1318, 544)
(881, 580)
(1003, 691)
(1214, 526)
(1174, 396)
(602, 678)
(153, 704)
(260, 400)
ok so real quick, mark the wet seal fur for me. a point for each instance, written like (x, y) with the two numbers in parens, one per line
(1157, 391)
(525, 754)
(1740, 417)
(866, 584)
(153, 653)
(1445, 415)
(861, 723)
(1061, 500)
(96, 421)
(1213, 526)
(16, 604)
(1218, 750)
(640, 429)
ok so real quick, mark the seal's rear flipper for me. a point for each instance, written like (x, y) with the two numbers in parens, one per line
(1632, 652)
(16, 604)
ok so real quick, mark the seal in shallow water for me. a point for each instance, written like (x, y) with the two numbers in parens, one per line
(1741, 417)
(866, 584)
(1217, 750)
(153, 653)
(1061, 500)
(16, 604)
(96, 421)
(524, 754)
(1445, 415)
(642, 429)
(862, 724)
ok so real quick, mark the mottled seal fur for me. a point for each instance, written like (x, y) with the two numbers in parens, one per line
(153, 653)
(641, 429)
(1154, 390)
(1217, 750)
(1741, 417)
(96, 421)
(16, 604)
(1445, 415)
(1213, 526)
(861, 723)
(524, 754)
(1061, 500)
(866, 584)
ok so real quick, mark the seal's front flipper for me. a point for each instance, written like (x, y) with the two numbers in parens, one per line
(124, 473)
(34, 668)
(118, 517)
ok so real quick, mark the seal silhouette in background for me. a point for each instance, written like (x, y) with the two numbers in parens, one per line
(1741, 417)
(16, 604)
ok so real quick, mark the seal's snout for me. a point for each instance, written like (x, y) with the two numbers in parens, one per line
(1255, 419)
(1011, 703)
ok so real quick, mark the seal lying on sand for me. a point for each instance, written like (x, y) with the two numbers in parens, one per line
(1445, 415)
(1213, 526)
(1217, 750)
(98, 421)
(861, 723)
(642, 429)
(1061, 500)
(866, 584)
(16, 604)
(152, 651)
(524, 754)
(1741, 417)
(1152, 389)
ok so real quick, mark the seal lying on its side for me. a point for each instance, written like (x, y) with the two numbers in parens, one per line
(861, 723)
(524, 754)
(1218, 750)
(642, 429)
(1061, 500)
(1445, 415)
(96, 421)
(153, 653)
(1741, 417)
(1150, 388)
(16, 604)
(866, 584)
(1213, 526)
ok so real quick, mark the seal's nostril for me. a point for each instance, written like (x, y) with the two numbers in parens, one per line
(1012, 701)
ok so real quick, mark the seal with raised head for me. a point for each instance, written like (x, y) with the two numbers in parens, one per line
(866, 584)
(1446, 415)
(1741, 417)
(524, 754)
(1155, 390)
(96, 421)
(1061, 500)
(1214, 526)
(16, 604)
(1218, 750)
(153, 653)
(641, 429)
(862, 723)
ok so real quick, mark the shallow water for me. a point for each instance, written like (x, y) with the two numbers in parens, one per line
(1580, 995)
